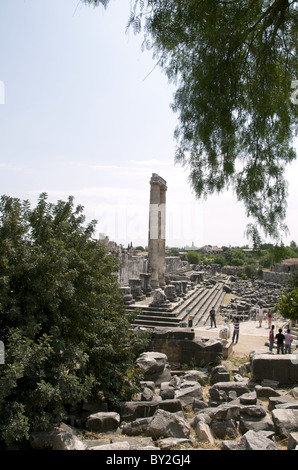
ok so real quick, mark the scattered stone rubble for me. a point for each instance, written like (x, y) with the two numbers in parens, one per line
(249, 296)
(190, 410)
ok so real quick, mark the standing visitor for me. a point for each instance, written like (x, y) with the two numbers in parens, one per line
(288, 342)
(236, 331)
(212, 317)
(280, 341)
(271, 338)
(261, 316)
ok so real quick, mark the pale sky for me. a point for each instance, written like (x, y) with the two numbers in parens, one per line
(84, 112)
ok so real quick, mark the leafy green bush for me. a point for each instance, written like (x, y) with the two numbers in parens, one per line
(193, 257)
(67, 335)
(287, 306)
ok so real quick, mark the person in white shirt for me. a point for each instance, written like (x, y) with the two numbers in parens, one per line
(261, 316)
(288, 342)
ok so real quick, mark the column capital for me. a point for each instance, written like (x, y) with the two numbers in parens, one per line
(158, 180)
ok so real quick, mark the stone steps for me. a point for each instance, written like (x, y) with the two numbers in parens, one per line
(197, 304)
(216, 303)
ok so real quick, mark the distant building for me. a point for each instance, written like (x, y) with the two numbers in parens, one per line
(211, 249)
(191, 248)
(287, 266)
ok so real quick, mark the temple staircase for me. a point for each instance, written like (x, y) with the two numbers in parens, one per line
(195, 305)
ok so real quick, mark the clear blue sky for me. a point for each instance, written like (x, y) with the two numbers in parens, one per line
(87, 114)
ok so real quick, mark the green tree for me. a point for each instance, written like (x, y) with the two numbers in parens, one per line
(67, 335)
(237, 262)
(218, 259)
(288, 305)
(193, 257)
(234, 64)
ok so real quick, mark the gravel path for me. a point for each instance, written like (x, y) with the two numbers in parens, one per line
(251, 336)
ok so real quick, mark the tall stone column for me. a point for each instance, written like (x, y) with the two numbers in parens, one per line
(157, 231)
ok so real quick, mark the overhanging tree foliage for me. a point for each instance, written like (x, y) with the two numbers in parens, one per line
(287, 306)
(234, 63)
(67, 335)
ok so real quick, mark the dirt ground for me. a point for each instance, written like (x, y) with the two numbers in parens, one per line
(251, 336)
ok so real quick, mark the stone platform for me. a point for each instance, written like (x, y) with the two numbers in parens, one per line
(190, 309)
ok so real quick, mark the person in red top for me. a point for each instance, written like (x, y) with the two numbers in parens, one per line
(271, 338)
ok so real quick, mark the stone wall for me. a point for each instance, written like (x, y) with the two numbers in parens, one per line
(275, 277)
(130, 266)
(280, 368)
(175, 264)
(181, 346)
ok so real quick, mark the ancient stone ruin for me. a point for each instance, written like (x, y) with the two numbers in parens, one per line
(207, 407)
(157, 231)
(252, 407)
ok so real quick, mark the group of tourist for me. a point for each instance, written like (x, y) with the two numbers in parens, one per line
(262, 316)
(283, 341)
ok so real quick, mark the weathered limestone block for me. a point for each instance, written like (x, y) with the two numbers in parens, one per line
(253, 440)
(132, 410)
(266, 392)
(189, 394)
(67, 441)
(180, 345)
(248, 398)
(136, 289)
(196, 375)
(248, 422)
(145, 283)
(135, 443)
(137, 427)
(169, 442)
(116, 446)
(285, 421)
(127, 296)
(219, 374)
(179, 288)
(165, 424)
(155, 365)
(226, 391)
(204, 433)
(196, 278)
(147, 394)
(255, 411)
(292, 441)
(281, 368)
(276, 402)
(224, 429)
(60, 436)
(96, 442)
(167, 391)
(103, 422)
(160, 300)
(225, 412)
(170, 292)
